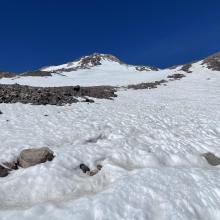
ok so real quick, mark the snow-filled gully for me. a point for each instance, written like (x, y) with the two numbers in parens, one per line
(149, 143)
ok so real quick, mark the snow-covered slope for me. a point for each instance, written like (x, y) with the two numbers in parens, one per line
(101, 69)
(97, 69)
(149, 143)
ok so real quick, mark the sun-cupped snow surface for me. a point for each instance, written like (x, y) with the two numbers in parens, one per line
(109, 73)
(149, 143)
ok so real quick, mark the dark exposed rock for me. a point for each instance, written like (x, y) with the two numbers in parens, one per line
(151, 85)
(186, 68)
(37, 73)
(212, 159)
(213, 62)
(77, 88)
(84, 168)
(52, 95)
(99, 166)
(146, 68)
(31, 157)
(176, 76)
(3, 171)
(89, 100)
(1, 112)
(6, 74)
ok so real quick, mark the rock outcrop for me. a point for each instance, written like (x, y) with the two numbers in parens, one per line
(53, 95)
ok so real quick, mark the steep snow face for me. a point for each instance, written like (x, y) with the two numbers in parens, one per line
(92, 70)
(149, 143)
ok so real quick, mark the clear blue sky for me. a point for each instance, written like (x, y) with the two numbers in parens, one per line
(35, 33)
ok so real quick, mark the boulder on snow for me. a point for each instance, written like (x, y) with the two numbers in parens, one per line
(31, 157)
(3, 171)
(84, 168)
(10, 165)
(95, 171)
(212, 159)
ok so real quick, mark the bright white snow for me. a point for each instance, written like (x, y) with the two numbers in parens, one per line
(109, 73)
(149, 143)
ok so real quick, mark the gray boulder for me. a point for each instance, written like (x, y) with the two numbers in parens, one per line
(212, 159)
(31, 157)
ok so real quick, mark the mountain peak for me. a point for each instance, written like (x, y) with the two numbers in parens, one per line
(93, 60)
(96, 58)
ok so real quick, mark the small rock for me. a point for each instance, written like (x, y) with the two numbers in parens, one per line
(99, 167)
(94, 172)
(10, 165)
(76, 88)
(3, 171)
(84, 168)
(89, 100)
(31, 157)
(212, 159)
(1, 112)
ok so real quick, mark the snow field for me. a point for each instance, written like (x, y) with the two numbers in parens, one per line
(109, 73)
(149, 143)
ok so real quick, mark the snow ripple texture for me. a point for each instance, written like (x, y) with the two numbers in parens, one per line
(149, 143)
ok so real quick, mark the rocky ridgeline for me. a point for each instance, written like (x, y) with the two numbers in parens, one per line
(53, 95)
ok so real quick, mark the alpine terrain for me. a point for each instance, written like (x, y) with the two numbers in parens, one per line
(97, 138)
